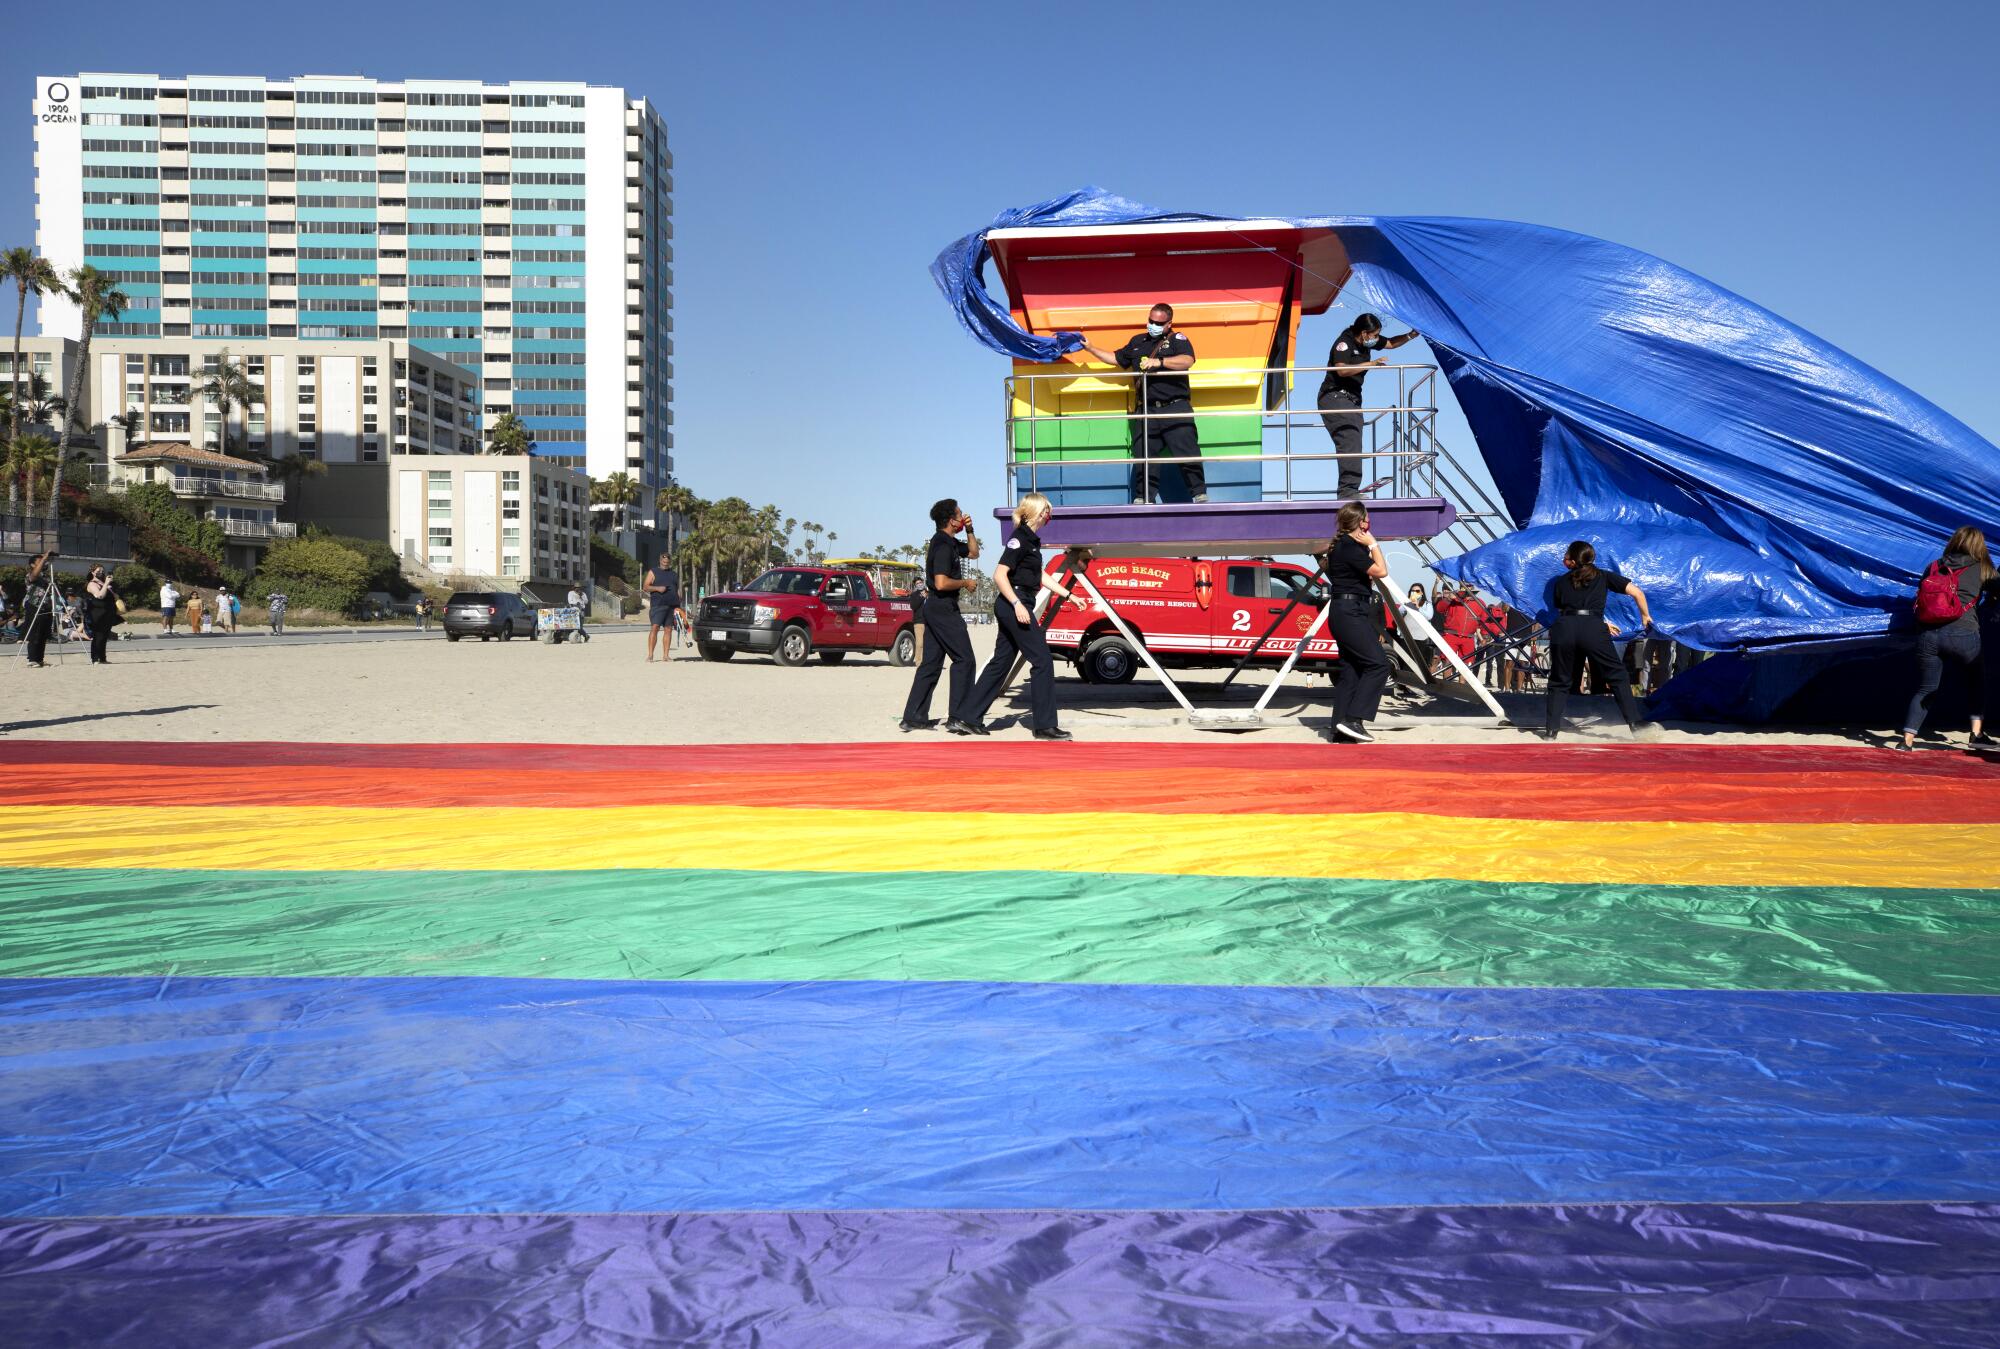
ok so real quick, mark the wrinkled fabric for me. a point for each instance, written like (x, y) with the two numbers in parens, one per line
(330, 1096)
(1868, 1276)
(996, 927)
(331, 1088)
(1776, 488)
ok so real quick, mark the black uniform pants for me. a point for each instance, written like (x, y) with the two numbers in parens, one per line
(41, 626)
(1575, 641)
(1364, 669)
(1165, 437)
(1959, 645)
(1027, 641)
(944, 635)
(1344, 425)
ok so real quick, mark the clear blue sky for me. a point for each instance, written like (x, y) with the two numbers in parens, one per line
(1832, 161)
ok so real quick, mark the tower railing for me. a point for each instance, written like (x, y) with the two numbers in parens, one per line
(1401, 455)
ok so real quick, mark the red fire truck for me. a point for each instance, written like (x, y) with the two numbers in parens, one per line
(1190, 612)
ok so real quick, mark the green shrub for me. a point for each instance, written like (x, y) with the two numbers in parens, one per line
(315, 573)
(169, 538)
(136, 583)
(385, 569)
(607, 561)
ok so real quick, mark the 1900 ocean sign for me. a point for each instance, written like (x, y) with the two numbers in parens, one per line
(56, 105)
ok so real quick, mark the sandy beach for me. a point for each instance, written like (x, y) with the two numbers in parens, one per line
(406, 689)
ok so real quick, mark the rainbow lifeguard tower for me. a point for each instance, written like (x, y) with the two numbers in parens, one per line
(1239, 289)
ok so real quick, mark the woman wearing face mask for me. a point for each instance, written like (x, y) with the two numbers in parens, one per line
(1352, 563)
(101, 606)
(1018, 578)
(1348, 363)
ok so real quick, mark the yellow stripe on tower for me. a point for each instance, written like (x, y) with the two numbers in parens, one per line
(1386, 846)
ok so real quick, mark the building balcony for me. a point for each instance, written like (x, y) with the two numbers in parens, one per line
(198, 488)
(258, 529)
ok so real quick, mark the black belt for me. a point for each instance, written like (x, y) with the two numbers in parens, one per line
(1581, 613)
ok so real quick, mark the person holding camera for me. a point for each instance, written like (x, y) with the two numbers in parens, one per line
(1166, 356)
(101, 608)
(1351, 564)
(944, 625)
(38, 607)
(1019, 578)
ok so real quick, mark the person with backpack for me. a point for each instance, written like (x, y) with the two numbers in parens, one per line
(1948, 630)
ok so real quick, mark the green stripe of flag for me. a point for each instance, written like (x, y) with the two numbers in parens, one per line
(996, 926)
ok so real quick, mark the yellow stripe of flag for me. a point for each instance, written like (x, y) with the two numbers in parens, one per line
(1383, 846)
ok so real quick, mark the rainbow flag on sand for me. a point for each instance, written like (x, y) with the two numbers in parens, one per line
(817, 1045)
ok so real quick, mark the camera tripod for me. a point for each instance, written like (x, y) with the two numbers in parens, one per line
(53, 605)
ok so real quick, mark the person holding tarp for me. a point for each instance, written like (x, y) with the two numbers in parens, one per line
(1348, 364)
(1579, 634)
(1160, 430)
(1948, 630)
(1351, 564)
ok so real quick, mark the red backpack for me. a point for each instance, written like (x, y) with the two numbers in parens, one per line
(1938, 600)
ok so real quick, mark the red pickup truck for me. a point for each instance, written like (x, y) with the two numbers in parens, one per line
(1190, 612)
(789, 613)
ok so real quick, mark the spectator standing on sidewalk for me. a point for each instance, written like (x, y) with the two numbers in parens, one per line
(170, 599)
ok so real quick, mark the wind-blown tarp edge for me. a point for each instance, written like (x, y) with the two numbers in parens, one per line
(1714, 452)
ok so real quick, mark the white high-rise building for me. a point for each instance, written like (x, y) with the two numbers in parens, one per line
(521, 230)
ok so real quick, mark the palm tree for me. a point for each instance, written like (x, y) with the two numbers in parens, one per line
(99, 298)
(620, 490)
(226, 388)
(509, 436)
(30, 273)
(40, 405)
(131, 421)
(676, 503)
(29, 457)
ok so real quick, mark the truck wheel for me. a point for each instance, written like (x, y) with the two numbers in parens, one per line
(794, 645)
(1110, 660)
(903, 651)
(451, 636)
(832, 657)
(715, 651)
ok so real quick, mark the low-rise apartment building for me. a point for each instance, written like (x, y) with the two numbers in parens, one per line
(514, 518)
(343, 402)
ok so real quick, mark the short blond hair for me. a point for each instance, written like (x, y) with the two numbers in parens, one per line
(1029, 505)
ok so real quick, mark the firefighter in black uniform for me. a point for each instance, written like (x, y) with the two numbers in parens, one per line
(1351, 563)
(1164, 357)
(1578, 633)
(944, 626)
(1348, 363)
(1020, 578)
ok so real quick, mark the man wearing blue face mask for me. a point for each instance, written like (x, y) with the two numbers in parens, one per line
(1340, 392)
(1162, 357)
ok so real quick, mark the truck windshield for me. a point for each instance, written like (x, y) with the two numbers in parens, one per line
(786, 583)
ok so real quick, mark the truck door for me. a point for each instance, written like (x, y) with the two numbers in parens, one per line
(836, 617)
(871, 621)
(1245, 610)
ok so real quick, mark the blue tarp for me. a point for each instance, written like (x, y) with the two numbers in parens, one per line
(1763, 486)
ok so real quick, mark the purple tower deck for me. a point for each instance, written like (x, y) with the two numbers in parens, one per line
(1222, 529)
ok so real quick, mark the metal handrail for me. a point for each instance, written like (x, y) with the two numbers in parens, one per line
(1408, 425)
